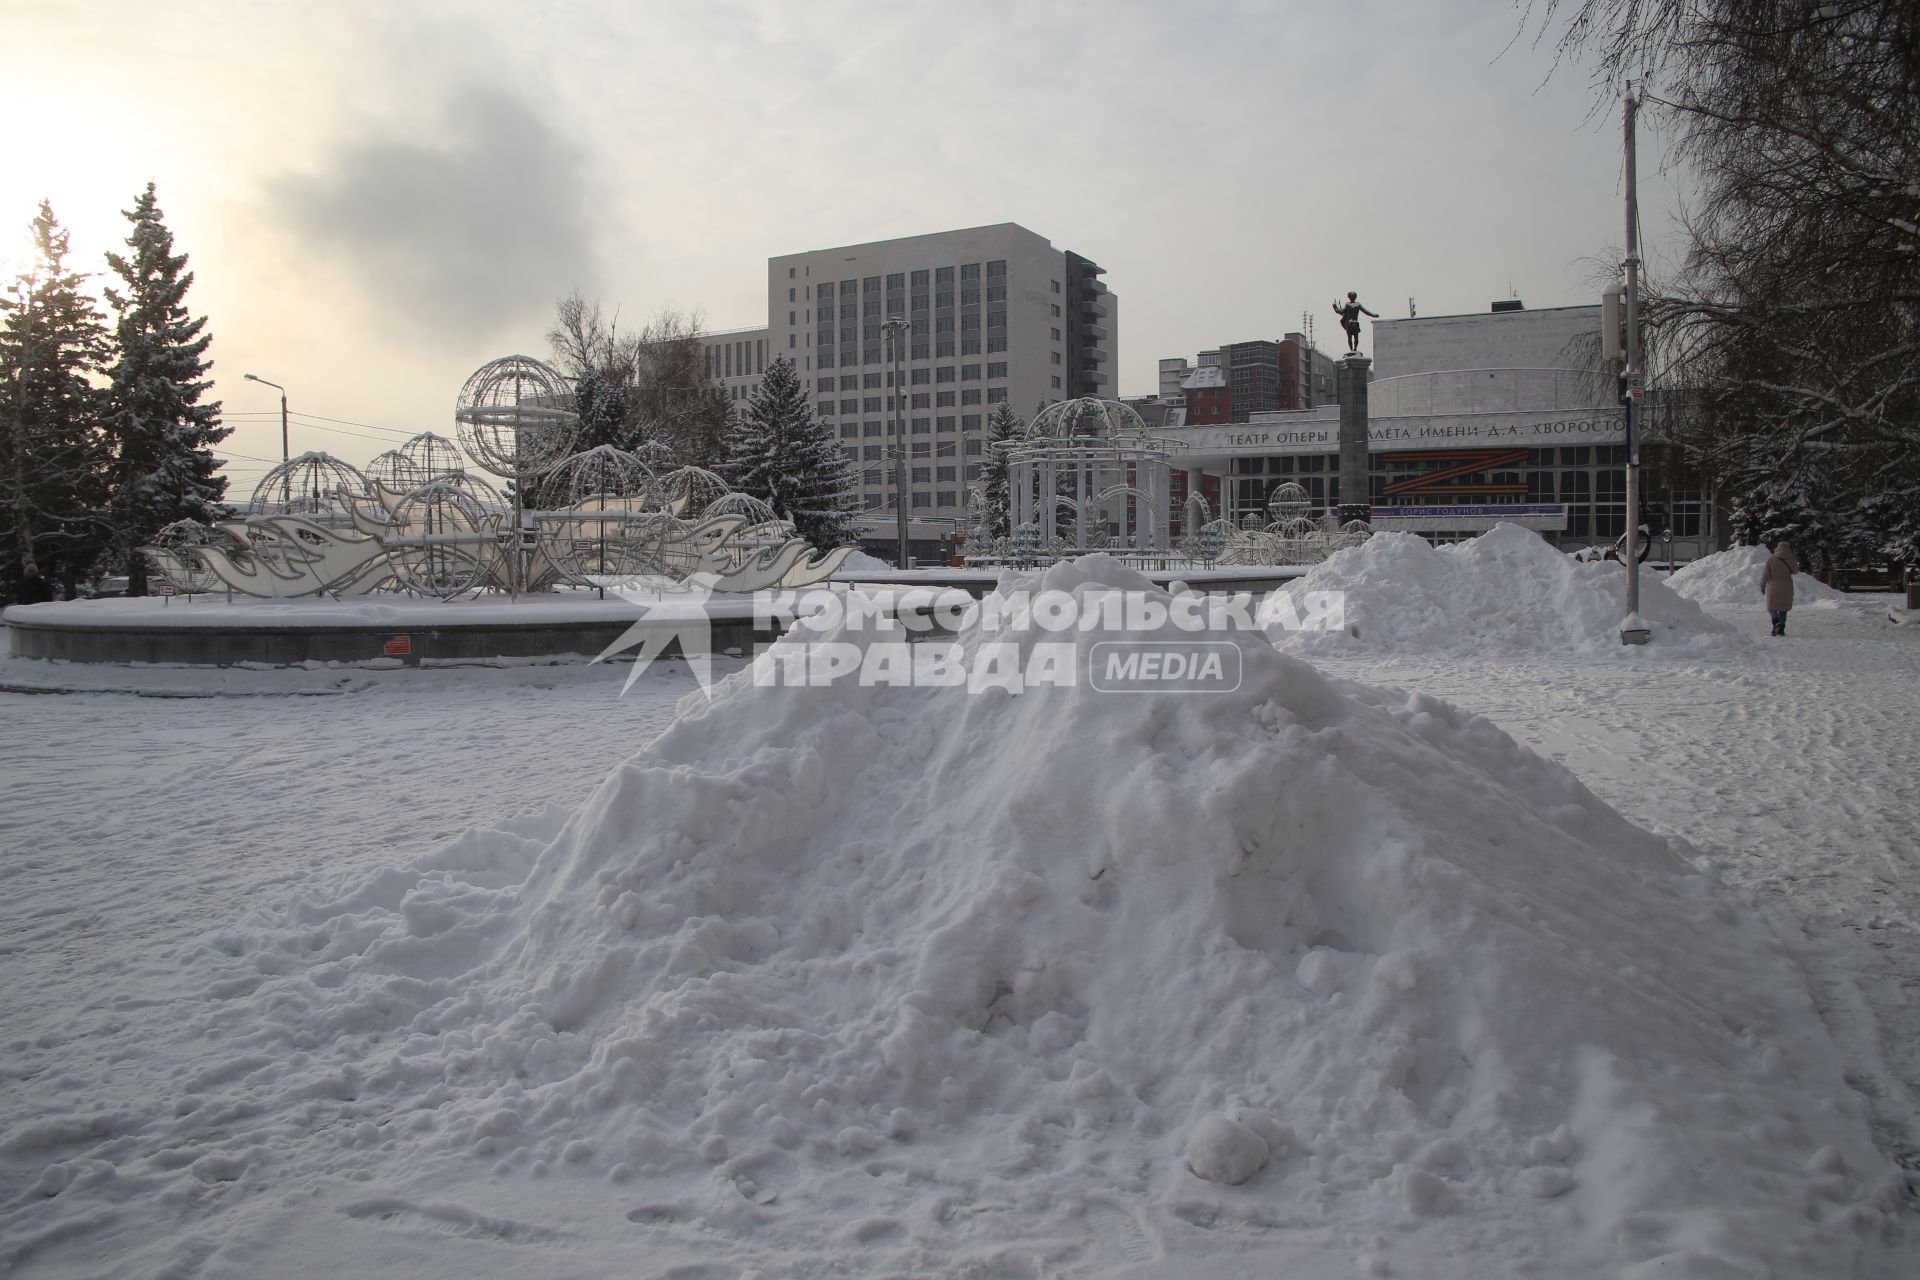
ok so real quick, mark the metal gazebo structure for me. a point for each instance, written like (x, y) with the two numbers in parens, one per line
(1084, 466)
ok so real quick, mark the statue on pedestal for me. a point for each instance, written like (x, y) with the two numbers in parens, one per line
(1350, 312)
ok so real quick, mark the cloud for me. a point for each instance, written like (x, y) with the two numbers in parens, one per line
(467, 230)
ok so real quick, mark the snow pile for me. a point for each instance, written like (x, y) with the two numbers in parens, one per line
(862, 562)
(916, 972)
(1505, 591)
(1731, 579)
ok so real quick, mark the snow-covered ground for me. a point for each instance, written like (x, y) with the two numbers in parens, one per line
(820, 986)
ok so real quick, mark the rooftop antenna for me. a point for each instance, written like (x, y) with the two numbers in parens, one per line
(1412, 311)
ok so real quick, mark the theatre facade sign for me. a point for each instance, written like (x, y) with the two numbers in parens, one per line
(1540, 429)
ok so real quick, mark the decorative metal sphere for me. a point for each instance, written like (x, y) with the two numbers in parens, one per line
(515, 417)
(1289, 502)
(310, 485)
(753, 509)
(1087, 417)
(431, 457)
(441, 542)
(689, 491)
(185, 571)
(600, 472)
(390, 469)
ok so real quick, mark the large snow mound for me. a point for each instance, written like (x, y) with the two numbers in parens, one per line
(1505, 591)
(1731, 578)
(921, 974)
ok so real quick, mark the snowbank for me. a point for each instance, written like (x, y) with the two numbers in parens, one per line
(864, 563)
(918, 972)
(1731, 579)
(1505, 591)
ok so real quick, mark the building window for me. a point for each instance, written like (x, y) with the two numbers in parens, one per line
(944, 373)
(823, 384)
(946, 475)
(1056, 357)
(921, 351)
(945, 422)
(922, 449)
(943, 347)
(851, 453)
(922, 499)
(970, 395)
(996, 395)
(871, 405)
(1056, 383)
(919, 302)
(826, 288)
(849, 406)
(921, 475)
(943, 301)
(872, 429)
(972, 447)
(790, 271)
(922, 425)
(996, 268)
(996, 293)
(996, 342)
(825, 408)
(920, 279)
(943, 399)
(871, 307)
(946, 498)
(973, 471)
(849, 430)
(943, 275)
(921, 400)
(969, 373)
(969, 297)
(970, 421)
(970, 271)
(873, 501)
(1056, 335)
(997, 369)
(871, 452)
(849, 382)
(896, 282)
(996, 319)
(1056, 286)
(871, 284)
(871, 356)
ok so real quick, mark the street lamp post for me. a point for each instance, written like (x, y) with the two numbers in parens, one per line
(287, 477)
(896, 328)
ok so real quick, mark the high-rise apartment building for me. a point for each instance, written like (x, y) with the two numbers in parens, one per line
(993, 315)
(736, 358)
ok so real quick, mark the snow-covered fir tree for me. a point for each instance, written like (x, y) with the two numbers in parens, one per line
(1003, 427)
(779, 453)
(160, 433)
(52, 454)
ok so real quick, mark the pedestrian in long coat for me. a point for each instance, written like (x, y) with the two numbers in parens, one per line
(1776, 583)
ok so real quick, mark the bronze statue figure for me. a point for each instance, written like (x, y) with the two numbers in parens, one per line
(1350, 312)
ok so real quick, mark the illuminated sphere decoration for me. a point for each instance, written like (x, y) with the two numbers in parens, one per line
(515, 417)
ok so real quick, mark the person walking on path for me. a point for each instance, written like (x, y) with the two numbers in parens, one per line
(1776, 583)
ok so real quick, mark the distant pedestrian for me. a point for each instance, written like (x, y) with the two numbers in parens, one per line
(1776, 583)
(34, 589)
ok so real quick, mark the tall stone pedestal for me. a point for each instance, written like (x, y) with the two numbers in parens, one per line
(1356, 488)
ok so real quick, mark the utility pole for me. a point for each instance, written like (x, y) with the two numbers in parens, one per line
(1634, 372)
(896, 328)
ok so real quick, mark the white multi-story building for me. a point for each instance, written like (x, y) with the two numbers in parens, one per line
(991, 315)
(735, 359)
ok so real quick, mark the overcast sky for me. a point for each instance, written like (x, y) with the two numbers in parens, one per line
(380, 197)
